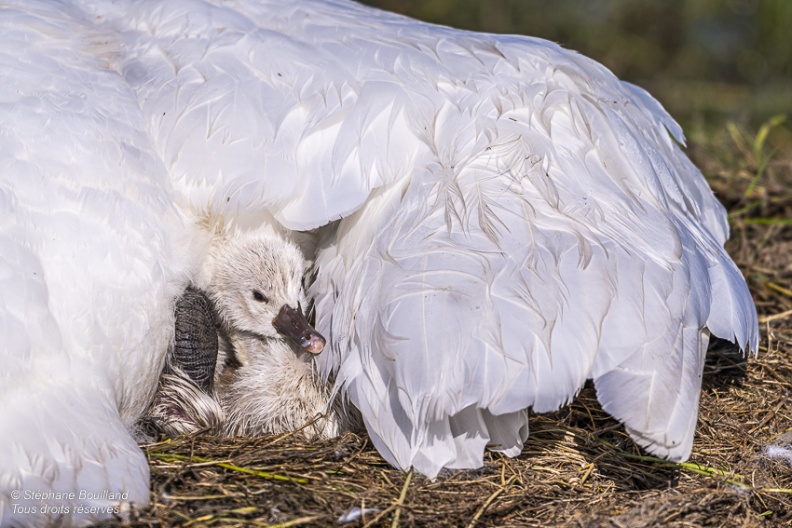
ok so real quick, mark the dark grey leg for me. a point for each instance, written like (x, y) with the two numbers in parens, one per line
(184, 402)
(195, 343)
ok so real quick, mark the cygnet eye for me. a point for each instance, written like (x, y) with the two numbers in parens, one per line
(258, 296)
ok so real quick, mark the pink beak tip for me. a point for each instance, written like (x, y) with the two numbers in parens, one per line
(315, 344)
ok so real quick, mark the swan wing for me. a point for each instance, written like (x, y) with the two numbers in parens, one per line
(551, 230)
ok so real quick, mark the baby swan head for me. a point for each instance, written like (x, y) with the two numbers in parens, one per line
(257, 288)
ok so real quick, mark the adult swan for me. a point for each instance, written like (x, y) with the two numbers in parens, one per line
(506, 220)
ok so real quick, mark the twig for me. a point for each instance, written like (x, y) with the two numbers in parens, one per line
(779, 289)
(168, 457)
(768, 416)
(589, 468)
(202, 518)
(393, 506)
(295, 522)
(489, 500)
(203, 497)
(400, 502)
(768, 318)
(692, 467)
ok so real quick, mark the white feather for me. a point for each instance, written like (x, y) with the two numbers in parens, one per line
(87, 266)
(505, 219)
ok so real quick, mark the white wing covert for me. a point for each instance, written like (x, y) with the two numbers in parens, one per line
(551, 232)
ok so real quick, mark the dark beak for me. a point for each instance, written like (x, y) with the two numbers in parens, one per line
(291, 323)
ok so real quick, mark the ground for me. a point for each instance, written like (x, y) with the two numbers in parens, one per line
(578, 468)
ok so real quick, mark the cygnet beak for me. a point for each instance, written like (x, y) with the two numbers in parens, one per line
(291, 323)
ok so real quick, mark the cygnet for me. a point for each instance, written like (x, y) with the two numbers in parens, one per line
(242, 363)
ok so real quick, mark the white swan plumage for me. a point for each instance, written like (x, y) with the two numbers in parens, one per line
(88, 265)
(504, 220)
